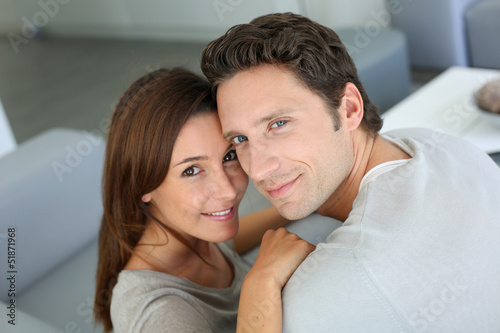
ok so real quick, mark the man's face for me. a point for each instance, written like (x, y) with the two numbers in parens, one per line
(285, 138)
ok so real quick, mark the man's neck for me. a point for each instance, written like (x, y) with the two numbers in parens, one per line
(369, 151)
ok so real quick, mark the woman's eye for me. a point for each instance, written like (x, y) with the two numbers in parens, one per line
(230, 156)
(191, 171)
(239, 139)
(279, 123)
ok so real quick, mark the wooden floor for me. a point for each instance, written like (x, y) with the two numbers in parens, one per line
(74, 83)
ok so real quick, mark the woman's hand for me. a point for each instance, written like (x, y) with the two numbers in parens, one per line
(279, 256)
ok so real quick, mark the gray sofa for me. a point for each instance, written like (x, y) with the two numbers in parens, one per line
(449, 33)
(483, 27)
(50, 195)
(381, 56)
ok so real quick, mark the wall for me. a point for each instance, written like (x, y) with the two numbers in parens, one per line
(195, 20)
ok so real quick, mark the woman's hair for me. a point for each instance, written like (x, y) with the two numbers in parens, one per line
(143, 130)
(312, 52)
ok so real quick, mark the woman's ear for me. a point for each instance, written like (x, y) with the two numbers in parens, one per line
(353, 104)
(146, 198)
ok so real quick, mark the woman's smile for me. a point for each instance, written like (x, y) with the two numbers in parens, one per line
(223, 215)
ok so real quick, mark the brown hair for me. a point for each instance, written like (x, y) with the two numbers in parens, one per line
(143, 130)
(312, 52)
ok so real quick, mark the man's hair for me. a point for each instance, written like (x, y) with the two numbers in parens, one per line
(312, 52)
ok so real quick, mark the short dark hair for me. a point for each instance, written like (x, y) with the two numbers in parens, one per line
(312, 52)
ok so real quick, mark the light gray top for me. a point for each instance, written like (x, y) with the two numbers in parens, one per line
(149, 301)
(419, 252)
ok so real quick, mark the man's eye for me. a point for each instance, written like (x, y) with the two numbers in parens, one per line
(191, 171)
(279, 123)
(230, 156)
(239, 139)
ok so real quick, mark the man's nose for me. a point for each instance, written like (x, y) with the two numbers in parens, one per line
(262, 162)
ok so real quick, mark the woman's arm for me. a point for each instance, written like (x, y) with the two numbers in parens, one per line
(260, 308)
(253, 226)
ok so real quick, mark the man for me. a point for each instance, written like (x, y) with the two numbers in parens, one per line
(418, 250)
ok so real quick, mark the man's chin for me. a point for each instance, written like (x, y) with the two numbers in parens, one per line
(292, 211)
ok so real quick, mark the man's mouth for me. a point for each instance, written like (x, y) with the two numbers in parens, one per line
(281, 190)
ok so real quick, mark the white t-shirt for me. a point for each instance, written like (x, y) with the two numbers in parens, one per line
(419, 252)
(149, 301)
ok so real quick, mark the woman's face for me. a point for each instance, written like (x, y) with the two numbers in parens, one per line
(204, 185)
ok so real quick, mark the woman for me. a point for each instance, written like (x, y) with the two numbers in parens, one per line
(171, 190)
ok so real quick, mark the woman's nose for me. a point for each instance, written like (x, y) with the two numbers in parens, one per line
(223, 188)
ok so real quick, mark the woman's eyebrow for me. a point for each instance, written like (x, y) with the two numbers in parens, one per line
(200, 158)
(193, 159)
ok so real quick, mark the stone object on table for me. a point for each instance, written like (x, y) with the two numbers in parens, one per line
(488, 97)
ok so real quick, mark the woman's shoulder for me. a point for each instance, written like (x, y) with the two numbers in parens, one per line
(153, 301)
(139, 284)
(147, 300)
(154, 311)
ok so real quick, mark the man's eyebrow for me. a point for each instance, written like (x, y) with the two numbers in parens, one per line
(192, 159)
(263, 120)
(229, 134)
(276, 114)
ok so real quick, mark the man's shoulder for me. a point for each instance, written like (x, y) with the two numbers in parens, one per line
(429, 139)
(434, 145)
(329, 271)
(414, 132)
(333, 286)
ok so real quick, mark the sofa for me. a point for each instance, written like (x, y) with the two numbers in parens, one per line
(483, 27)
(50, 198)
(7, 140)
(449, 33)
(381, 56)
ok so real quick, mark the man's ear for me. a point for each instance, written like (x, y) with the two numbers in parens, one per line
(353, 104)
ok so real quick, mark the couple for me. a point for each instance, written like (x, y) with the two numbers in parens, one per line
(418, 250)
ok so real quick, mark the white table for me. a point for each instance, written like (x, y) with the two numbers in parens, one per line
(447, 104)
